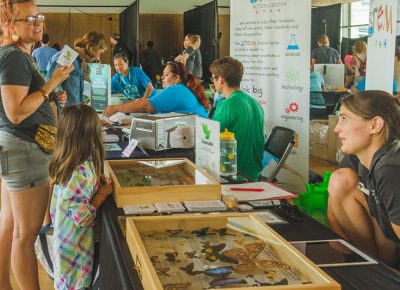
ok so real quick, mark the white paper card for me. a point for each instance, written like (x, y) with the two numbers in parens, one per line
(139, 209)
(169, 207)
(269, 217)
(269, 191)
(130, 148)
(205, 205)
(67, 56)
(118, 117)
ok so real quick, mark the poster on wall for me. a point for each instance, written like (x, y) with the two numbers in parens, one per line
(207, 146)
(272, 40)
(381, 44)
(100, 78)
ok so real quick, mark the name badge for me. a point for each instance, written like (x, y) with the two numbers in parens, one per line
(361, 187)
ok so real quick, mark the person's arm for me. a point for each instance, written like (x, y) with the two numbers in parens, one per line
(105, 189)
(149, 91)
(339, 61)
(77, 199)
(18, 104)
(137, 106)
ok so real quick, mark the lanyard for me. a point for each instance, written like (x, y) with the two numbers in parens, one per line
(123, 82)
(129, 90)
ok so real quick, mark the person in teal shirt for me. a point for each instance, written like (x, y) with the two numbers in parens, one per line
(132, 82)
(182, 93)
(240, 114)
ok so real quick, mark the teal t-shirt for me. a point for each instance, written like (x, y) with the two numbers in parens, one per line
(242, 115)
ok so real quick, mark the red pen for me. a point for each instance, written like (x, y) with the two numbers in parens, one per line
(246, 189)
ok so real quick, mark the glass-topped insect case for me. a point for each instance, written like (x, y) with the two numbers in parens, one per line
(144, 181)
(228, 251)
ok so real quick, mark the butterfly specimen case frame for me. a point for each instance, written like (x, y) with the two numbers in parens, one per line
(223, 251)
(149, 181)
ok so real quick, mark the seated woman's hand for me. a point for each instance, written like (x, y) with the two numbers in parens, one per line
(109, 111)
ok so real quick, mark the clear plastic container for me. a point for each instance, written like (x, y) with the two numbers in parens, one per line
(228, 164)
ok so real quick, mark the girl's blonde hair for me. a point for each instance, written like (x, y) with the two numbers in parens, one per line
(194, 38)
(78, 139)
(90, 42)
(322, 39)
(360, 47)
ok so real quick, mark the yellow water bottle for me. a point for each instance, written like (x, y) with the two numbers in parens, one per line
(228, 159)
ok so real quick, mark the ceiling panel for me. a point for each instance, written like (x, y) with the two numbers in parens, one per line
(146, 6)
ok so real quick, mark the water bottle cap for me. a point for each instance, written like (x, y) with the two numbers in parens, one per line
(227, 135)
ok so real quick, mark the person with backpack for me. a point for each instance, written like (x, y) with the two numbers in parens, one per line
(359, 60)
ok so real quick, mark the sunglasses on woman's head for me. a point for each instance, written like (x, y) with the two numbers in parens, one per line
(31, 18)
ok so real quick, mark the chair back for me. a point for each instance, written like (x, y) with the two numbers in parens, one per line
(279, 144)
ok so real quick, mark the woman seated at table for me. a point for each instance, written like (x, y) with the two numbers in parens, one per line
(132, 82)
(364, 199)
(182, 93)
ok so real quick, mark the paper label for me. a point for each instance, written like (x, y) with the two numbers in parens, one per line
(130, 148)
(67, 56)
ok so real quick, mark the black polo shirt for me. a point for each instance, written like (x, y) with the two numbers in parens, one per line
(382, 187)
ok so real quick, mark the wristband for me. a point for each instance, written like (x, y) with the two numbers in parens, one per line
(44, 94)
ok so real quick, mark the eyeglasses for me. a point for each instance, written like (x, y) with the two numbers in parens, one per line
(213, 78)
(31, 18)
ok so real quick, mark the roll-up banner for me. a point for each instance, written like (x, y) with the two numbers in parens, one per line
(381, 44)
(272, 40)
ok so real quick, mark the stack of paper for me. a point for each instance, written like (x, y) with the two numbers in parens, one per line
(205, 205)
(165, 207)
(255, 191)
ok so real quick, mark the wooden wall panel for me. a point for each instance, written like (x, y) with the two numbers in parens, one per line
(64, 28)
(165, 30)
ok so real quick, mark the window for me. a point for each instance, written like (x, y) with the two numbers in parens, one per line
(355, 18)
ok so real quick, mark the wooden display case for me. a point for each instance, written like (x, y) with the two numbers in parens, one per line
(148, 181)
(228, 251)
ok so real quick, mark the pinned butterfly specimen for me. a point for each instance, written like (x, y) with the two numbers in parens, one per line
(177, 286)
(218, 272)
(208, 249)
(171, 256)
(212, 253)
(223, 232)
(226, 281)
(163, 271)
(190, 255)
(270, 275)
(174, 233)
(236, 253)
(254, 249)
(201, 233)
(188, 269)
(284, 281)
(154, 259)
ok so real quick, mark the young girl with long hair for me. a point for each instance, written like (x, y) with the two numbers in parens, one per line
(79, 190)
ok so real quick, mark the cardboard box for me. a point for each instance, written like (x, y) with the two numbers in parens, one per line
(174, 252)
(324, 143)
(148, 181)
